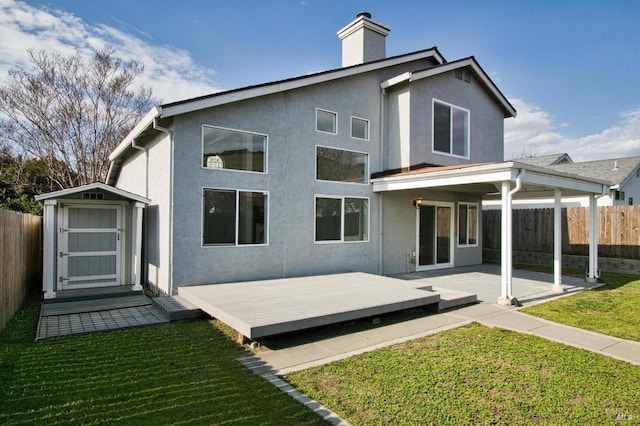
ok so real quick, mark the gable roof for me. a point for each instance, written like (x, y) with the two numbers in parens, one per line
(546, 160)
(92, 187)
(470, 62)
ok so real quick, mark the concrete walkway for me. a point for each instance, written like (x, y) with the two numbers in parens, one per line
(286, 360)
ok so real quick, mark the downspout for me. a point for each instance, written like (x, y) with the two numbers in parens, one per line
(383, 114)
(159, 128)
(510, 234)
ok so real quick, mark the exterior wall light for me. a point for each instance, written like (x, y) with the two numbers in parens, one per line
(417, 202)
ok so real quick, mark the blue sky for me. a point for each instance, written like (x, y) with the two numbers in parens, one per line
(569, 67)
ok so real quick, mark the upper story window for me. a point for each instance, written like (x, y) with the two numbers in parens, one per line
(450, 129)
(359, 128)
(326, 121)
(340, 165)
(233, 149)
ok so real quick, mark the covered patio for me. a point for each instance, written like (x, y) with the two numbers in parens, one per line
(506, 181)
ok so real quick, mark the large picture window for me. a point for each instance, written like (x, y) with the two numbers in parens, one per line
(233, 149)
(450, 129)
(467, 224)
(340, 165)
(342, 219)
(233, 217)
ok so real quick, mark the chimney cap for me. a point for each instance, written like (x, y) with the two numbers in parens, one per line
(365, 14)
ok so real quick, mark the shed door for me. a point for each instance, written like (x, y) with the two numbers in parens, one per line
(90, 247)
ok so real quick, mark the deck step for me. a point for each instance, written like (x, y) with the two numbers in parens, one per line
(176, 308)
(451, 300)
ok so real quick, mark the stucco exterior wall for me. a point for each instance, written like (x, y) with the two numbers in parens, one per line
(486, 139)
(289, 120)
(149, 174)
(400, 229)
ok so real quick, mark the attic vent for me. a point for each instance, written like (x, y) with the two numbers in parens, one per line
(463, 75)
(92, 196)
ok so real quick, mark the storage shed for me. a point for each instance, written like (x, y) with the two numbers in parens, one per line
(92, 239)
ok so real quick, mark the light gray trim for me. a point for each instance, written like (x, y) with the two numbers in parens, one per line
(91, 187)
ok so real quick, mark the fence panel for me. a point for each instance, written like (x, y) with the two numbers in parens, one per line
(20, 260)
(618, 230)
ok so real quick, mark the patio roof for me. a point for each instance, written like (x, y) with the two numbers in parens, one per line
(486, 178)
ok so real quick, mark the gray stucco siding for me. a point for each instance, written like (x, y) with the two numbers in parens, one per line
(486, 120)
(400, 229)
(288, 120)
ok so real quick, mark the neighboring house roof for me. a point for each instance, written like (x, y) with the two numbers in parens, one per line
(546, 160)
(92, 187)
(614, 170)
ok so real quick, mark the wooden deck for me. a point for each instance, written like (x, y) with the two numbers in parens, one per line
(263, 308)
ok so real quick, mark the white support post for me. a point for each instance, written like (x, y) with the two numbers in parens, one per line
(506, 256)
(136, 246)
(49, 250)
(592, 274)
(557, 241)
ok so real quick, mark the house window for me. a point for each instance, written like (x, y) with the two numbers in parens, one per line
(467, 224)
(630, 201)
(326, 121)
(450, 129)
(342, 219)
(619, 195)
(359, 128)
(340, 165)
(233, 149)
(233, 217)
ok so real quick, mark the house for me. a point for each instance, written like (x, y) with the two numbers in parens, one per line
(623, 175)
(379, 166)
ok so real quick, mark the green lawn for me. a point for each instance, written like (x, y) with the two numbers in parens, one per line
(613, 309)
(179, 373)
(477, 375)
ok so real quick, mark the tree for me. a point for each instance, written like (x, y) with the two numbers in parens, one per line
(70, 112)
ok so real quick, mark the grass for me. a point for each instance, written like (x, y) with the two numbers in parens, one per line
(613, 309)
(178, 373)
(477, 375)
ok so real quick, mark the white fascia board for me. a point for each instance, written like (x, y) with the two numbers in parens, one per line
(146, 121)
(92, 187)
(463, 176)
(469, 62)
(269, 89)
(564, 182)
(396, 80)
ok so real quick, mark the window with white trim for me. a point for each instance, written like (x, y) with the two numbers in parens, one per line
(233, 149)
(467, 224)
(231, 217)
(359, 128)
(342, 219)
(450, 129)
(326, 121)
(341, 165)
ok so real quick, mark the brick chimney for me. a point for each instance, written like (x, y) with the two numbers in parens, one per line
(362, 40)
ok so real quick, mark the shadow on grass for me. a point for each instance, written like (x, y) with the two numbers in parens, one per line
(297, 338)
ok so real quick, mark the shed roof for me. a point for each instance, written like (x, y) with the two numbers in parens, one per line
(92, 187)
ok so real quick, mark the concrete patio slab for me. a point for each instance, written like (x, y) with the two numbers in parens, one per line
(264, 308)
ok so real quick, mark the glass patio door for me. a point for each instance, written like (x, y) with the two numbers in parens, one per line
(89, 247)
(435, 236)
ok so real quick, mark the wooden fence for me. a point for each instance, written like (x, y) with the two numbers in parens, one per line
(20, 260)
(618, 231)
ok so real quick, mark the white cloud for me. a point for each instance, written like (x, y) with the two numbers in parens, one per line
(533, 132)
(170, 72)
